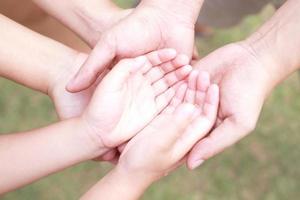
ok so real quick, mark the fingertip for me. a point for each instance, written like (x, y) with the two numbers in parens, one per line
(73, 85)
(192, 165)
(196, 157)
(70, 86)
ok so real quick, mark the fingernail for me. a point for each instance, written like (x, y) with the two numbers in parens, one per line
(196, 163)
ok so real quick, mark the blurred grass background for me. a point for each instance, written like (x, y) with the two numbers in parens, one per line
(265, 165)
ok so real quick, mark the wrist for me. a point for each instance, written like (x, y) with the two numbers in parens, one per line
(118, 184)
(139, 175)
(98, 18)
(277, 43)
(134, 179)
(275, 65)
(183, 11)
(90, 143)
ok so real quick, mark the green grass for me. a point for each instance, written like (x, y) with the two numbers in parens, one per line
(265, 165)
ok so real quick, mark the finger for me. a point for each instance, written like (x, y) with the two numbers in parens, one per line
(225, 135)
(160, 56)
(192, 86)
(100, 58)
(170, 79)
(182, 116)
(164, 99)
(210, 107)
(155, 58)
(203, 83)
(154, 74)
(179, 61)
(177, 99)
(201, 125)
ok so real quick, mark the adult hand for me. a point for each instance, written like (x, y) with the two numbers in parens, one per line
(246, 72)
(146, 29)
(244, 84)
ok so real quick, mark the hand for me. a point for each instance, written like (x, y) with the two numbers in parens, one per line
(144, 30)
(132, 94)
(244, 84)
(160, 146)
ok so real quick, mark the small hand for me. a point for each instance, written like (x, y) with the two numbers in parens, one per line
(160, 146)
(132, 94)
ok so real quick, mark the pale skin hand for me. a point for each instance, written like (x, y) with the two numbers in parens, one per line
(153, 25)
(132, 94)
(246, 72)
(161, 146)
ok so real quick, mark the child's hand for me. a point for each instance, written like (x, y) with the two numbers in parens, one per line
(160, 146)
(132, 94)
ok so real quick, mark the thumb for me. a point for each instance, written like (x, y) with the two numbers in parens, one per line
(100, 58)
(225, 135)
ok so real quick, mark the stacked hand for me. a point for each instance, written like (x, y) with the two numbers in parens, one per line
(244, 84)
(171, 134)
(180, 116)
(130, 96)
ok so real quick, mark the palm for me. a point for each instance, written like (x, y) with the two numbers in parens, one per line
(126, 101)
(242, 82)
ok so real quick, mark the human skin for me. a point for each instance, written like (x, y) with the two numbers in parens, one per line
(192, 112)
(52, 67)
(69, 142)
(246, 73)
(43, 64)
(152, 25)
